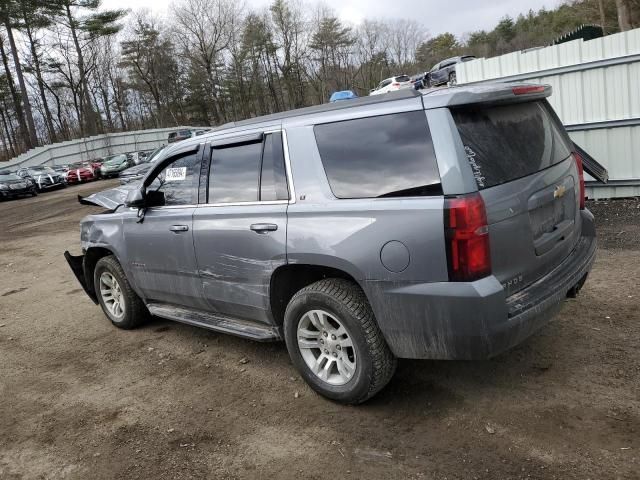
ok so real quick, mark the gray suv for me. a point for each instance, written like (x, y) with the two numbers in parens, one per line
(442, 225)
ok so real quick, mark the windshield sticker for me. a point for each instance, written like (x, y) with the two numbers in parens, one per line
(477, 171)
(176, 174)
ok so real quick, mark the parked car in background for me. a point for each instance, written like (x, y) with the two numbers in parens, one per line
(137, 172)
(342, 95)
(445, 71)
(61, 169)
(113, 165)
(392, 84)
(80, 172)
(12, 186)
(178, 136)
(44, 177)
(298, 227)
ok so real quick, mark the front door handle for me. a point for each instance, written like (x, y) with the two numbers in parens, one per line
(179, 228)
(264, 227)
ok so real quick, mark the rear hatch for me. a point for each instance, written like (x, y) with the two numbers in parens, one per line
(522, 161)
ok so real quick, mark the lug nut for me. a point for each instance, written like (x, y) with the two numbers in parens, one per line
(335, 354)
(326, 351)
(333, 337)
(322, 341)
(338, 347)
(325, 334)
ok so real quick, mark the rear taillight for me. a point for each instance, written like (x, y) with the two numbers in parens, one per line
(395, 84)
(578, 159)
(467, 237)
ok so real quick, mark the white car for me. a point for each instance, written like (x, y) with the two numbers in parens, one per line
(392, 84)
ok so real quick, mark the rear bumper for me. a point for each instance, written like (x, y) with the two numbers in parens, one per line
(476, 320)
(77, 267)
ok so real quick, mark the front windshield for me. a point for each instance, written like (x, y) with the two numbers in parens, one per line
(41, 171)
(155, 155)
(8, 177)
(115, 160)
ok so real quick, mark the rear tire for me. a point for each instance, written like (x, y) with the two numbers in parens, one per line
(335, 343)
(119, 302)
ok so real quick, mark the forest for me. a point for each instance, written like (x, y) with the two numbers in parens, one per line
(72, 69)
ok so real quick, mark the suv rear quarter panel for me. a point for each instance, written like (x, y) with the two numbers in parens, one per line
(349, 234)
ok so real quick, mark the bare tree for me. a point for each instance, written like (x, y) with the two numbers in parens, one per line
(204, 29)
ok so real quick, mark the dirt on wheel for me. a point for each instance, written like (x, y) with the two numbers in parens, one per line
(82, 399)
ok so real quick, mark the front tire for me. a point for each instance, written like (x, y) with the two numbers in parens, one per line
(335, 343)
(118, 300)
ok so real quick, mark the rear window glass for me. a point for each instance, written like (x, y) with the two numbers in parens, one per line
(403, 78)
(504, 143)
(384, 156)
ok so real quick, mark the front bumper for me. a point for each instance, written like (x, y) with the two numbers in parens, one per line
(16, 193)
(77, 267)
(476, 320)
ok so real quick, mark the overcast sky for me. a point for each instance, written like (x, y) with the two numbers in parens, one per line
(438, 16)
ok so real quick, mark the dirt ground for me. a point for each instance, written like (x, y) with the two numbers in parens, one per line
(81, 399)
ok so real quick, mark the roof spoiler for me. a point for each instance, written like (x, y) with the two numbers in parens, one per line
(489, 93)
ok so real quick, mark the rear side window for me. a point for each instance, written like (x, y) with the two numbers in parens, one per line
(384, 156)
(504, 143)
(249, 172)
(233, 176)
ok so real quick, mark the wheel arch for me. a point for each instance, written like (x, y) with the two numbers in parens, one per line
(91, 258)
(288, 279)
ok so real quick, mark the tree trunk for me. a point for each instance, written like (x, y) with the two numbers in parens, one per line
(602, 16)
(89, 114)
(36, 64)
(12, 150)
(624, 15)
(33, 138)
(24, 132)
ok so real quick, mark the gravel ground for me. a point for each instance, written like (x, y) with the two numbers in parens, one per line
(82, 399)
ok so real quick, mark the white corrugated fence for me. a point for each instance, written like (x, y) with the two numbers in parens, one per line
(596, 93)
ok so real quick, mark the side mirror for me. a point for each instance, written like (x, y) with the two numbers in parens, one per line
(135, 199)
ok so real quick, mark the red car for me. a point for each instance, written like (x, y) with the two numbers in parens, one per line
(80, 172)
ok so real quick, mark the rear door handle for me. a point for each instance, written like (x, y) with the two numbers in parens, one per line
(178, 228)
(264, 227)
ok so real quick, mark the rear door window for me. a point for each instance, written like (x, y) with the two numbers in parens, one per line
(504, 143)
(234, 173)
(249, 172)
(383, 156)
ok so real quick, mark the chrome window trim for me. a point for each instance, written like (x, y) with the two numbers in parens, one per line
(243, 204)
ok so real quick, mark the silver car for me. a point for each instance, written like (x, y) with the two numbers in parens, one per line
(448, 224)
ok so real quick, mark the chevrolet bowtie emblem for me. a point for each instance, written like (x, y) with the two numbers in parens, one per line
(559, 191)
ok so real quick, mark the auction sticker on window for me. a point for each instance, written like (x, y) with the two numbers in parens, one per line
(176, 174)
